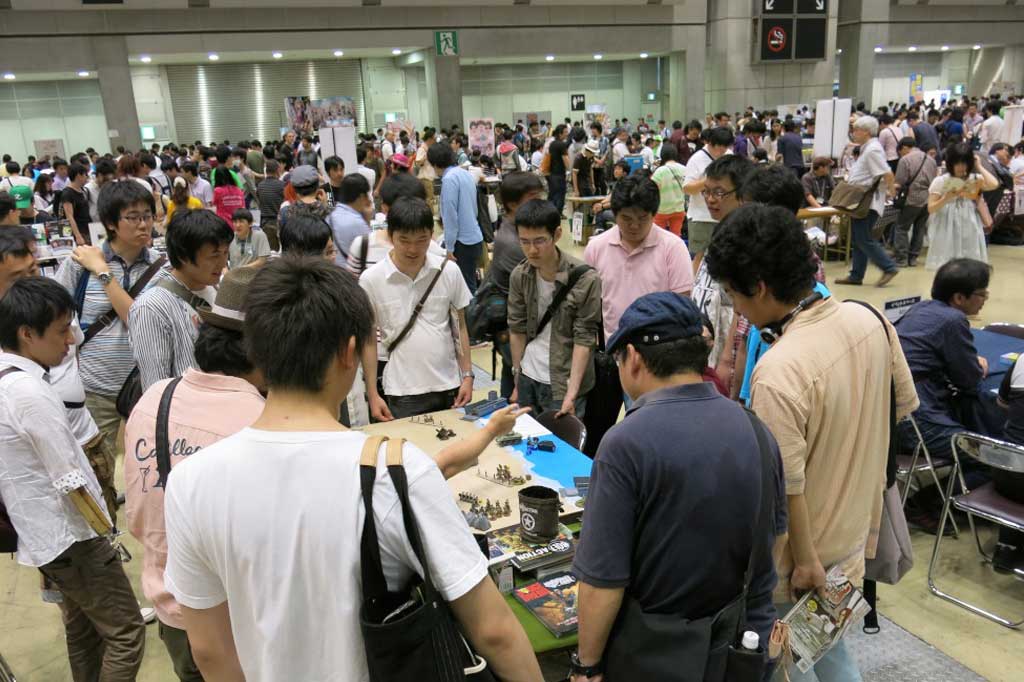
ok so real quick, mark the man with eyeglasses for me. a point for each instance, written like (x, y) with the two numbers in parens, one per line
(99, 279)
(551, 339)
(936, 339)
(700, 223)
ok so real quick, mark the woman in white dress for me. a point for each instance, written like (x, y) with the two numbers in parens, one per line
(954, 224)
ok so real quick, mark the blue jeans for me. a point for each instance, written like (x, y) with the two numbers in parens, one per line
(866, 247)
(835, 666)
(556, 191)
(467, 257)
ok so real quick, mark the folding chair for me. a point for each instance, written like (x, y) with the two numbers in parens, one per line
(567, 427)
(908, 466)
(983, 502)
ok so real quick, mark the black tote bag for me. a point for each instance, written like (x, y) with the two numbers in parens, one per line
(409, 635)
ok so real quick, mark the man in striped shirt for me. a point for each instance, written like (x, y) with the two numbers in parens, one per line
(164, 321)
(105, 360)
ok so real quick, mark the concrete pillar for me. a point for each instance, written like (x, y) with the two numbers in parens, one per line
(685, 86)
(444, 90)
(110, 54)
(632, 90)
(986, 70)
(857, 63)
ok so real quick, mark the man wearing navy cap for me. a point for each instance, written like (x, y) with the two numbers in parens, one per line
(674, 495)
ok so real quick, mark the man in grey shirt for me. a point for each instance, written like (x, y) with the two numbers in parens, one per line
(349, 219)
(914, 175)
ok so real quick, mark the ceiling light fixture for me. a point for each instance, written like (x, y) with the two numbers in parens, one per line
(549, 58)
(945, 48)
(213, 56)
(8, 76)
(338, 53)
(912, 48)
(598, 56)
(145, 59)
(878, 48)
(643, 55)
(277, 55)
(839, 51)
(83, 74)
(396, 51)
(976, 47)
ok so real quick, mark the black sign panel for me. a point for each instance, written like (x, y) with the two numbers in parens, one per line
(776, 6)
(811, 35)
(578, 102)
(776, 39)
(812, 6)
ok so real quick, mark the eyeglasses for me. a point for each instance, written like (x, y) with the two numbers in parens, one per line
(538, 243)
(136, 218)
(716, 194)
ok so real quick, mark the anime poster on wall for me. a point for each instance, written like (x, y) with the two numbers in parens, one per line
(530, 117)
(306, 116)
(481, 135)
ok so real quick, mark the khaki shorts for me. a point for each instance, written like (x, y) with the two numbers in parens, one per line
(699, 235)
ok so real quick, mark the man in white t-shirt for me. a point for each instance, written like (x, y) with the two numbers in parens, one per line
(428, 370)
(699, 222)
(620, 149)
(991, 131)
(275, 594)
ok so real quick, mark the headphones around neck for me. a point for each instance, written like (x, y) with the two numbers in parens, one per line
(772, 332)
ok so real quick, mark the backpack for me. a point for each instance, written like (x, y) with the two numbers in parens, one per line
(510, 160)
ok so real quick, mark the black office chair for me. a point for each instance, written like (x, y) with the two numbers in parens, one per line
(568, 427)
(1006, 329)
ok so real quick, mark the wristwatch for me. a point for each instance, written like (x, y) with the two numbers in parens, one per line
(105, 278)
(468, 374)
(577, 668)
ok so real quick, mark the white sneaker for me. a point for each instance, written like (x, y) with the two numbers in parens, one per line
(148, 614)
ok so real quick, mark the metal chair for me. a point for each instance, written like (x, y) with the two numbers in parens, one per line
(908, 466)
(567, 427)
(1006, 329)
(983, 502)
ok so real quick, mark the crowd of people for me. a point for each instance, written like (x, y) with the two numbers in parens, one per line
(229, 358)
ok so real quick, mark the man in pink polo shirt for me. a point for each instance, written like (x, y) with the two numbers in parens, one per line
(217, 400)
(633, 259)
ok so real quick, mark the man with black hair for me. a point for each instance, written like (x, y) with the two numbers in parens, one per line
(74, 204)
(310, 198)
(351, 215)
(306, 155)
(14, 177)
(551, 364)
(634, 259)
(163, 322)
(791, 148)
(936, 339)
(699, 223)
(558, 151)
(362, 151)
(915, 172)
(924, 134)
(100, 279)
(827, 359)
(426, 371)
(236, 609)
(270, 196)
(682, 451)
(51, 493)
(458, 206)
(197, 186)
(156, 175)
(334, 167)
(772, 185)
(307, 235)
(17, 249)
(217, 398)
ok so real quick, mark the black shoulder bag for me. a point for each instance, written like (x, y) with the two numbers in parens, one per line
(669, 647)
(105, 320)
(604, 402)
(559, 299)
(487, 313)
(163, 444)
(131, 390)
(409, 635)
(416, 311)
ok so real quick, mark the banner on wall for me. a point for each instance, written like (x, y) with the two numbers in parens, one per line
(306, 116)
(528, 117)
(597, 113)
(916, 87)
(398, 126)
(481, 135)
(52, 148)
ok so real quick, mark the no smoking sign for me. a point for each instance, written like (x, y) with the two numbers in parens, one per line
(777, 39)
